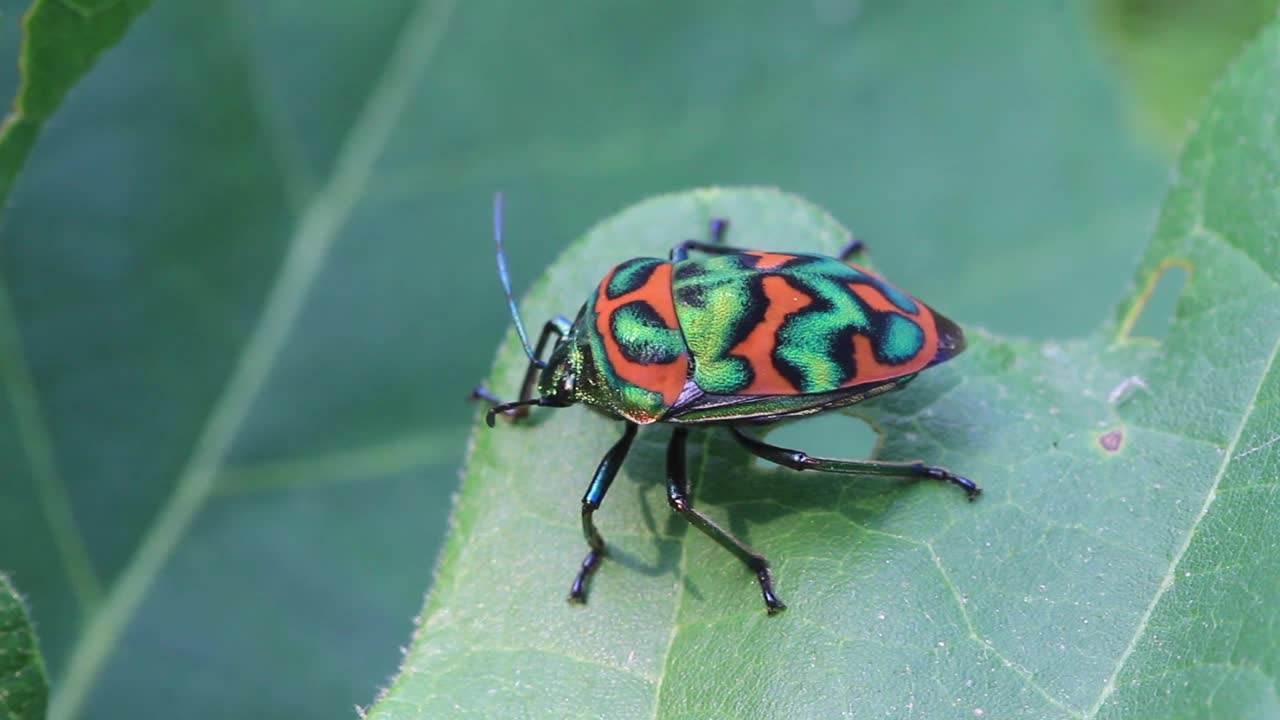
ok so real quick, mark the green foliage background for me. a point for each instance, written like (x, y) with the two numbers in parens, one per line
(236, 515)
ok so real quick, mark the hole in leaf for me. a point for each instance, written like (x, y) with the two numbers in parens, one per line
(831, 435)
(1152, 316)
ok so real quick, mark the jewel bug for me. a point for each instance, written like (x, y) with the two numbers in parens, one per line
(727, 337)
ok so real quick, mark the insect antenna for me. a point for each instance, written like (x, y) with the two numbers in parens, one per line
(506, 282)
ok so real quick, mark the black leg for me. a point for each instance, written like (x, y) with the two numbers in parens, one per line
(798, 460)
(482, 393)
(719, 228)
(851, 248)
(605, 473)
(558, 326)
(678, 497)
(681, 251)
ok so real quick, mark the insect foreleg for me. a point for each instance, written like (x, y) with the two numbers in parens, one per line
(604, 476)
(558, 326)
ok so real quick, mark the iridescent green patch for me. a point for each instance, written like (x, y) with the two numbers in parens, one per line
(718, 302)
(642, 335)
(598, 383)
(814, 349)
(631, 276)
(723, 376)
(901, 340)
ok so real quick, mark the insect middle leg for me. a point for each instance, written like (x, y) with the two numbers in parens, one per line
(678, 497)
(851, 248)
(797, 460)
(604, 476)
(719, 228)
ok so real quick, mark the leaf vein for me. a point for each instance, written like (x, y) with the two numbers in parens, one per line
(554, 652)
(1027, 677)
(37, 443)
(286, 151)
(400, 454)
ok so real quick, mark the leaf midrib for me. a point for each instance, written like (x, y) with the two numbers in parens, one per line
(37, 444)
(306, 252)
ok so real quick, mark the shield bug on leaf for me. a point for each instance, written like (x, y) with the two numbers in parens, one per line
(717, 335)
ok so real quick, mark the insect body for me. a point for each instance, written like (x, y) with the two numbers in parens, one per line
(730, 337)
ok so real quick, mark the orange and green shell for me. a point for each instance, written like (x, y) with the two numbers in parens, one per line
(750, 335)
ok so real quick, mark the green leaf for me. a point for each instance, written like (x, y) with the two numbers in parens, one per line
(1122, 563)
(150, 229)
(24, 688)
(63, 38)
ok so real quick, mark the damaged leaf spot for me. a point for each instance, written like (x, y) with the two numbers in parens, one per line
(1112, 440)
(1124, 391)
(1152, 312)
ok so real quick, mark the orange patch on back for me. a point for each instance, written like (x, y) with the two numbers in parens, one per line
(757, 348)
(667, 379)
(876, 299)
(768, 260)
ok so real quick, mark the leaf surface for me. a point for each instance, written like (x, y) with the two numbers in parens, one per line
(24, 688)
(1122, 562)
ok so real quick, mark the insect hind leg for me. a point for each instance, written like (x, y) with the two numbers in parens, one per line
(798, 460)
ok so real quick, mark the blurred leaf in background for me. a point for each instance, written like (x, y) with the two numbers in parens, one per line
(1170, 52)
(24, 687)
(249, 279)
(67, 40)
